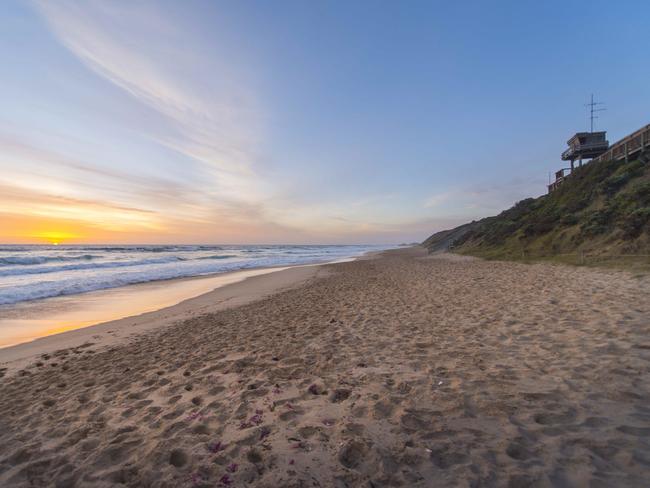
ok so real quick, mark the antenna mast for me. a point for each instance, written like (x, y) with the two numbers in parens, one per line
(593, 110)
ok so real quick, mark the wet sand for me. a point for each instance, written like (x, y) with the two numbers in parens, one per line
(402, 370)
(27, 321)
(232, 289)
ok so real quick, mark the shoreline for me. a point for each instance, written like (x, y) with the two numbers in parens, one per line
(14, 312)
(234, 292)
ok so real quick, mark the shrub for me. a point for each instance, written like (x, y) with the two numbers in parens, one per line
(621, 176)
(614, 183)
(569, 219)
(498, 231)
(596, 222)
(635, 223)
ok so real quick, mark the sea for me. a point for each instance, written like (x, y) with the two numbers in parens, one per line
(40, 271)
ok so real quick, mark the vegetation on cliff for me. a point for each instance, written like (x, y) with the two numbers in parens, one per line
(602, 209)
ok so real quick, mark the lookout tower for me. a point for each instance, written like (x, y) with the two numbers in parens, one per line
(585, 145)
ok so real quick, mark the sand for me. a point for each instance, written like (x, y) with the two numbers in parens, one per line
(238, 292)
(402, 370)
(30, 320)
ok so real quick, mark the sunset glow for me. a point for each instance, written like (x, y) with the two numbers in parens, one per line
(156, 122)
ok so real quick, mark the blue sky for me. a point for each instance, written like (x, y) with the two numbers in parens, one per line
(298, 122)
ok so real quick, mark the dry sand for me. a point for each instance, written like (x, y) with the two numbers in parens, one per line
(404, 370)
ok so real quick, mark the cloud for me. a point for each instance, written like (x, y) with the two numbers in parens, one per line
(47, 170)
(436, 200)
(210, 115)
(21, 201)
(483, 199)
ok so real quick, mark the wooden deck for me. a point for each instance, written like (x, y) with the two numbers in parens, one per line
(628, 146)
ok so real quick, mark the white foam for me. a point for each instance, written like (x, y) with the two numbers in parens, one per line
(112, 267)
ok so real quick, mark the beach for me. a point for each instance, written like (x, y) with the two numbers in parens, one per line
(46, 290)
(399, 369)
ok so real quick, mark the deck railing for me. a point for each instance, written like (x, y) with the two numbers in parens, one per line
(628, 145)
(583, 147)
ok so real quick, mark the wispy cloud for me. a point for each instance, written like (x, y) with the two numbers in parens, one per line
(209, 114)
(483, 199)
(437, 199)
(22, 201)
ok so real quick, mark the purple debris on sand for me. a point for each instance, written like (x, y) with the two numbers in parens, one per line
(215, 447)
(245, 424)
(232, 467)
(194, 416)
(259, 411)
(256, 419)
(264, 433)
(277, 391)
(314, 389)
(196, 478)
(225, 480)
(328, 422)
(289, 406)
(291, 461)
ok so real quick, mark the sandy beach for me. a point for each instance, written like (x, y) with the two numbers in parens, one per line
(404, 369)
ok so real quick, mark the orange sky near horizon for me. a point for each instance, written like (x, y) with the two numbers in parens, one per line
(26, 229)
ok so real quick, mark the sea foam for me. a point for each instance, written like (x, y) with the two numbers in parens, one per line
(36, 272)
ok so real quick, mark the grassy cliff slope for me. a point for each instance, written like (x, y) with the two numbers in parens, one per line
(602, 209)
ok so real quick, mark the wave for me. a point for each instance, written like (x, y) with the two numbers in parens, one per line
(75, 285)
(31, 260)
(31, 277)
(86, 266)
(218, 256)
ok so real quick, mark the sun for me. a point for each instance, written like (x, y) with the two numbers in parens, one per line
(54, 237)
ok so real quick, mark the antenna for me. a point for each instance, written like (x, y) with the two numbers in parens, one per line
(593, 110)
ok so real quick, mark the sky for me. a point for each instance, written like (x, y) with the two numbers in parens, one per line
(298, 122)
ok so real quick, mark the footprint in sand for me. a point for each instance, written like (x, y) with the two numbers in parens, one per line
(352, 454)
(517, 450)
(178, 458)
(339, 395)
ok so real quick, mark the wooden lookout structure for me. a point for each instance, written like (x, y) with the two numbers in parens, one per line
(585, 145)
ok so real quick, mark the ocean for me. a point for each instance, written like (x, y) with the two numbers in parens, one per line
(39, 271)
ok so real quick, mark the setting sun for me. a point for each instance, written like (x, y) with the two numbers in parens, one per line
(54, 237)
